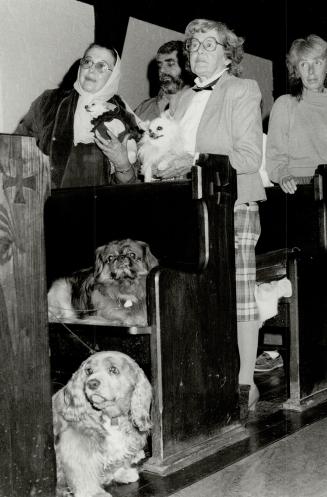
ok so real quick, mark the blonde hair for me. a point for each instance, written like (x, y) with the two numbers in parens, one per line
(312, 45)
(232, 44)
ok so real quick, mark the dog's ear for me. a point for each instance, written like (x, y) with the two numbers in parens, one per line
(110, 107)
(73, 404)
(149, 259)
(166, 115)
(144, 125)
(99, 260)
(141, 401)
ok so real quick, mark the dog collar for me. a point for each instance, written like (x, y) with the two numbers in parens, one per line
(114, 421)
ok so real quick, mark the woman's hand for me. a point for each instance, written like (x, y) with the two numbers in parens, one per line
(178, 165)
(288, 184)
(114, 150)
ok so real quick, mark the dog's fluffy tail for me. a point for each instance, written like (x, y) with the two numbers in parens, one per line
(70, 298)
(60, 301)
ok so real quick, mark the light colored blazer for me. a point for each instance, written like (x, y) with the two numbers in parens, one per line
(231, 125)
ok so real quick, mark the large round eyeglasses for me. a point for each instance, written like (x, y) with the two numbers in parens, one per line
(209, 44)
(100, 66)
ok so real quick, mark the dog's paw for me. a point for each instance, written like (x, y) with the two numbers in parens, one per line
(64, 491)
(138, 457)
(136, 322)
(126, 475)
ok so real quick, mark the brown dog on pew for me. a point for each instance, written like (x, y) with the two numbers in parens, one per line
(112, 292)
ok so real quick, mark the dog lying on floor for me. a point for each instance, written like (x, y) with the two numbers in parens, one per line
(112, 292)
(101, 421)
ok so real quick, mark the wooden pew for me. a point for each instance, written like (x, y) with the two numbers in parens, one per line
(293, 244)
(189, 348)
(297, 220)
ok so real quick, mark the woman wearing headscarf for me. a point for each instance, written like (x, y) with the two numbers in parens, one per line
(62, 127)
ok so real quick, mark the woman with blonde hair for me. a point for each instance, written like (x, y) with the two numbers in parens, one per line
(297, 133)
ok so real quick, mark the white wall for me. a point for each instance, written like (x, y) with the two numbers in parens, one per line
(142, 41)
(39, 41)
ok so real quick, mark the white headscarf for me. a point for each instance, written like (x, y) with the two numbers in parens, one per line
(82, 118)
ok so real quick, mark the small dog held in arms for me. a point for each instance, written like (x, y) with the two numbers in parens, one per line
(121, 121)
(161, 142)
(101, 421)
(112, 292)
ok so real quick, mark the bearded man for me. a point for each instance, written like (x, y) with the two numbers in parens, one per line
(173, 76)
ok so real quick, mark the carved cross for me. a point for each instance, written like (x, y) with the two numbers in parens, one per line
(19, 182)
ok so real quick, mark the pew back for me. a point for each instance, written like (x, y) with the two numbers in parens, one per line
(299, 220)
(164, 215)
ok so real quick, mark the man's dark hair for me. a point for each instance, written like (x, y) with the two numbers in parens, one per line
(178, 46)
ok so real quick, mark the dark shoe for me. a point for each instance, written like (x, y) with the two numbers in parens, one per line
(265, 363)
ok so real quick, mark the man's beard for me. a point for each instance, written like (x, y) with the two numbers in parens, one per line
(170, 84)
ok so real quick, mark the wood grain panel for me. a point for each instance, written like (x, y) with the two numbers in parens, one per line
(27, 457)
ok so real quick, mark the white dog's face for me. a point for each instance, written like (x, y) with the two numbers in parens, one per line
(98, 107)
(162, 139)
(162, 130)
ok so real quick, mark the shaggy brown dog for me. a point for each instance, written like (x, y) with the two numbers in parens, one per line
(114, 291)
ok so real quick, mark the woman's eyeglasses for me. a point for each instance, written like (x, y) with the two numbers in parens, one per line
(100, 66)
(209, 44)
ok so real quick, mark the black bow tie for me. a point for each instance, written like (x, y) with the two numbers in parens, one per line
(209, 86)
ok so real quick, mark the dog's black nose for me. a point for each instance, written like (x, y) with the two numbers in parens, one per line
(93, 384)
(123, 258)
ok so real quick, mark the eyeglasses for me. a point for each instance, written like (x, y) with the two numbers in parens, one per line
(100, 66)
(209, 44)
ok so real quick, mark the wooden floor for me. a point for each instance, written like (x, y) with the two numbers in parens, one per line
(268, 424)
(295, 466)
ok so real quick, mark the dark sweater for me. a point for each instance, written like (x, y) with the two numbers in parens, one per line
(50, 120)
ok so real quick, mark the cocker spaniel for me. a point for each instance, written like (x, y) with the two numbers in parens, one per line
(112, 292)
(101, 422)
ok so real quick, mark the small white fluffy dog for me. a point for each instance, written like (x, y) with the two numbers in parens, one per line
(98, 107)
(162, 141)
(101, 420)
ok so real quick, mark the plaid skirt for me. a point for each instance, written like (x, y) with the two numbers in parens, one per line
(247, 231)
